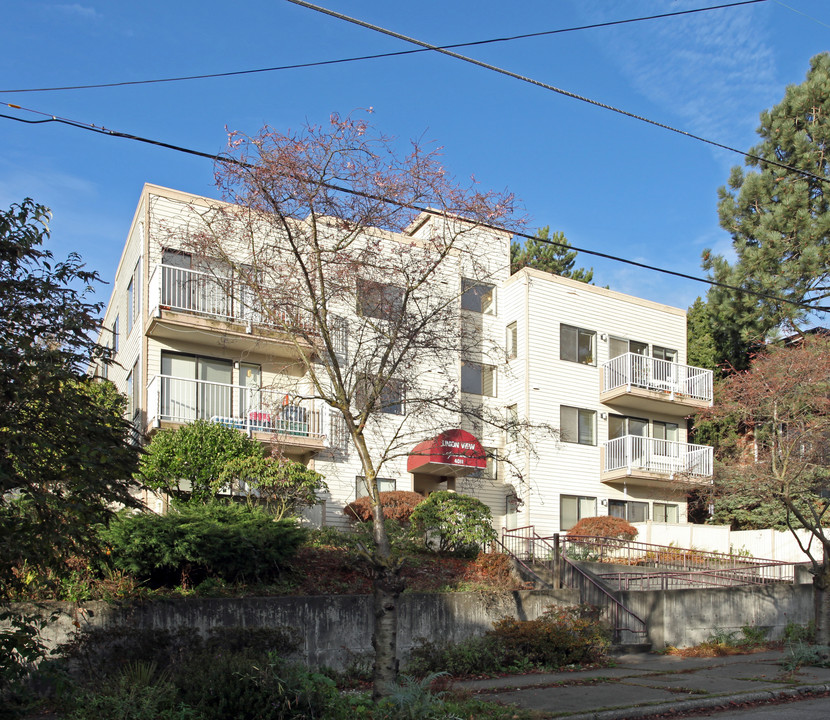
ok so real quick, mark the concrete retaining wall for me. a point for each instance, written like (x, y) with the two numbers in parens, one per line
(687, 617)
(333, 628)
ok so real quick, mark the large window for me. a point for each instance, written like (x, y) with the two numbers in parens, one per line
(619, 346)
(577, 345)
(361, 489)
(666, 513)
(379, 300)
(577, 425)
(628, 510)
(511, 340)
(572, 508)
(478, 297)
(195, 387)
(618, 426)
(478, 379)
(665, 431)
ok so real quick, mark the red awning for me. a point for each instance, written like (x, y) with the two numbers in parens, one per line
(453, 452)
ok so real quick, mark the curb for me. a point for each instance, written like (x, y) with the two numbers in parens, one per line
(635, 712)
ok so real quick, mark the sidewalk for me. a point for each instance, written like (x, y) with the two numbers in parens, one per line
(643, 685)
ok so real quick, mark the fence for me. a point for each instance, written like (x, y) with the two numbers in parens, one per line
(633, 370)
(666, 457)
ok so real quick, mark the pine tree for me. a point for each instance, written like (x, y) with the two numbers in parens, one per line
(779, 221)
(541, 255)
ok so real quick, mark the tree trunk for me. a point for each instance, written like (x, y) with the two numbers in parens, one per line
(821, 600)
(388, 586)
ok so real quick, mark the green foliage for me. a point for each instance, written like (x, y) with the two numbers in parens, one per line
(414, 699)
(798, 654)
(779, 221)
(701, 350)
(65, 454)
(21, 648)
(558, 259)
(795, 632)
(190, 460)
(284, 487)
(456, 523)
(195, 541)
(561, 636)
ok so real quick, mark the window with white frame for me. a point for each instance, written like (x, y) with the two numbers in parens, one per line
(391, 398)
(478, 379)
(577, 345)
(478, 297)
(491, 470)
(130, 300)
(577, 425)
(619, 426)
(628, 510)
(512, 340)
(511, 416)
(361, 487)
(135, 390)
(666, 513)
(338, 432)
(619, 346)
(115, 335)
(665, 431)
(378, 300)
(572, 508)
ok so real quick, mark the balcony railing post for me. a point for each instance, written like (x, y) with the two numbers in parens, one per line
(557, 561)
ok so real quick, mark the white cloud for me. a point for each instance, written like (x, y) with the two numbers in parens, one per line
(78, 10)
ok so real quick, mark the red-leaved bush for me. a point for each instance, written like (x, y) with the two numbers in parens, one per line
(397, 505)
(605, 526)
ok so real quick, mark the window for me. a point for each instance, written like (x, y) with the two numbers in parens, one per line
(665, 431)
(618, 426)
(627, 510)
(130, 383)
(511, 341)
(338, 432)
(130, 309)
(478, 297)
(379, 300)
(135, 391)
(195, 387)
(666, 513)
(577, 345)
(390, 400)
(136, 283)
(115, 335)
(619, 346)
(511, 416)
(573, 508)
(361, 489)
(577, 425)
(662, 353)
(491, 471)
(478, 379)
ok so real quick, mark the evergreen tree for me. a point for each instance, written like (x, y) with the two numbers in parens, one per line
(541, 255)
(700, 340)
(779, 221)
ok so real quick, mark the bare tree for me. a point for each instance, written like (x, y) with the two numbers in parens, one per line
(324, 238)
(781, 456)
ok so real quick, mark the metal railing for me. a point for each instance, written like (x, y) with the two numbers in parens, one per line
(184, 400)
(633, 452)
(729, 577)
(631, 370)
(530, 549)
(202, 293)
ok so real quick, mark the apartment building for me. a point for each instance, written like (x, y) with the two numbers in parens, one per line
(598, 377)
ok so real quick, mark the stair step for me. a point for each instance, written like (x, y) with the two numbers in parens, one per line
(630, 648)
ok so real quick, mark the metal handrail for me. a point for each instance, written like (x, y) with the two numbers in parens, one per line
(641, 371)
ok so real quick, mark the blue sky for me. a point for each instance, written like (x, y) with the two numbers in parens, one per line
(610, 183)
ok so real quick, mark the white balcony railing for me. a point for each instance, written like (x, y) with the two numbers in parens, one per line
(640, 371)
(665, 457)
(184, 400)
(192, 291)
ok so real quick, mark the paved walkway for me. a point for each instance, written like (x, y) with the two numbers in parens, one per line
(643, 685)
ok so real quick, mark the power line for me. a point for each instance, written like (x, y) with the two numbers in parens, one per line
(320, 63)
(229, 160)
(552, 88)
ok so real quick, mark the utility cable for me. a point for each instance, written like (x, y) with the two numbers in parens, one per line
(552, 88)
(320, 63)
(380, 198)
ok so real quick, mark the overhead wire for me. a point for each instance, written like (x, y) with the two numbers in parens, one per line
(369, 196)
(552, 88)
(398, 53)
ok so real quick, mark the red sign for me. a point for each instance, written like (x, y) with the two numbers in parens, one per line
(453, 452)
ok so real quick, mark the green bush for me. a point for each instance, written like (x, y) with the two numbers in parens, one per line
(452, 522)
(192, 542)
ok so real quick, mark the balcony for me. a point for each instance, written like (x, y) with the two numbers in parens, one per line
(649, 461)
(184, 300)
(652, 385)
(299, 426)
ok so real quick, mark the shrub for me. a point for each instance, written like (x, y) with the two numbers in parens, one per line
(397, 505)
(193, 541)
(605, 526)
(453, 522)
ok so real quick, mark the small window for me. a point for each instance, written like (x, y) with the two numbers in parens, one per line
(662, 353)
(136, 283)
(361, 489)
(573, 508)
(511, 417)
(666, 513)
(478, 379)
(577, 345)
(627, 510)
(115, 335)
(135, 391)
(391, 399)
(478, 297)
(619, 346)
(619, 426)
(577, 425)
(338, 433)
(130, 309)
(491, 471)
(379, 300)
(665, 431)
(512, 340)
